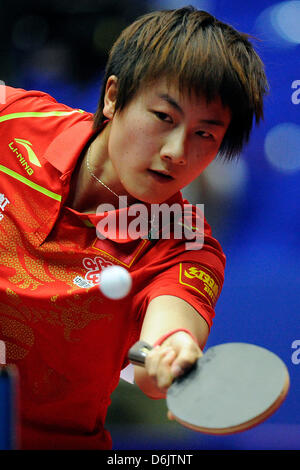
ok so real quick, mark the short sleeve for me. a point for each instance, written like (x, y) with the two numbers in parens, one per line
(194, 276)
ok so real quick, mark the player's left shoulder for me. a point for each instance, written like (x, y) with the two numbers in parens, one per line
(191, 230)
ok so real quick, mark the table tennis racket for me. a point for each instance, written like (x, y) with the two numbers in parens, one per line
(231, 388)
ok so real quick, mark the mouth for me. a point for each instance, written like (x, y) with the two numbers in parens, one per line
(160, 176)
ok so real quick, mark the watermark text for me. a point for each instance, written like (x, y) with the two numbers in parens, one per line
(152, 222)
(296, 352)
(295, 97)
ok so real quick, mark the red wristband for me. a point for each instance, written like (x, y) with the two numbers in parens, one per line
(170, 333)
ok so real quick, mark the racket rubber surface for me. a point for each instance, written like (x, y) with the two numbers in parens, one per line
(231, 388)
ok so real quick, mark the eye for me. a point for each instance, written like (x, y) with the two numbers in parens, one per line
(205, 135)
(163, 116)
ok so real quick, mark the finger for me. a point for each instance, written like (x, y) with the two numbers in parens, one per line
(164, 374)
(185, 360)
(157, 362)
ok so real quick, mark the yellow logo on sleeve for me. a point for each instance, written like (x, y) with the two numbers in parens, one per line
(201, 279)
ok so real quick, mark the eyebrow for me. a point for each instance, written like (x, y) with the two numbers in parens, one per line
(175, 105)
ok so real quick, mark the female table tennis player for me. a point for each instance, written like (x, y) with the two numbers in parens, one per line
(180, 88)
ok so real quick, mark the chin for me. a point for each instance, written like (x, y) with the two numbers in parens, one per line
(151, 195)
(153, 199)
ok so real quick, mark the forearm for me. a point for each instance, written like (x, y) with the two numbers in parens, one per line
(166, 313)
(178, 351)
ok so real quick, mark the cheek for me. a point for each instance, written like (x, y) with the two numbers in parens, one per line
(203, 156)
(140, 129)
(199, 163)
(135, 140)
(119, 142)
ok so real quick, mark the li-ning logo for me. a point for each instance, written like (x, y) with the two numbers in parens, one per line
(31, 155)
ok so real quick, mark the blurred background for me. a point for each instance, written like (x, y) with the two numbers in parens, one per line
(60, 47)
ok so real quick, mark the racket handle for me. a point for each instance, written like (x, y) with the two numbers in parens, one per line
(138, 353)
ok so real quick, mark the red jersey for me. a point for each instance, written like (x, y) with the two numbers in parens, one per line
(68, 341)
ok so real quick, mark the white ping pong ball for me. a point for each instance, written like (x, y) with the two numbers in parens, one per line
(115, 282)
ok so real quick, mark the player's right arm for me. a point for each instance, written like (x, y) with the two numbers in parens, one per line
(178, 352)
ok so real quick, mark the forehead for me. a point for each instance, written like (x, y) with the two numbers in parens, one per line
(169, 92)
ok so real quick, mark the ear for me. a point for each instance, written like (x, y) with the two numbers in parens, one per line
(110, 96)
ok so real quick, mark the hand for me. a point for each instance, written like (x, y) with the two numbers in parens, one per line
(172, 359)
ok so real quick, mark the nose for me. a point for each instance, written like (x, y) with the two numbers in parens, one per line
(174, 148)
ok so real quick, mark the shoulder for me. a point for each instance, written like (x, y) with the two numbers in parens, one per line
(17, 96)
(16, 103)
(36, 119)
(189, 235)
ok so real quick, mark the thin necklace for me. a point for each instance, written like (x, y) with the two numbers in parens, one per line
(94, 176)
(151, 231)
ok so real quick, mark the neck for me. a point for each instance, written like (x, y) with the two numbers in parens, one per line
(87, 191)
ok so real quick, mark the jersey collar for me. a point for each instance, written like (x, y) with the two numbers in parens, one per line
(61, 157)
(64, 150)
(63, 154)
(115, 225)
